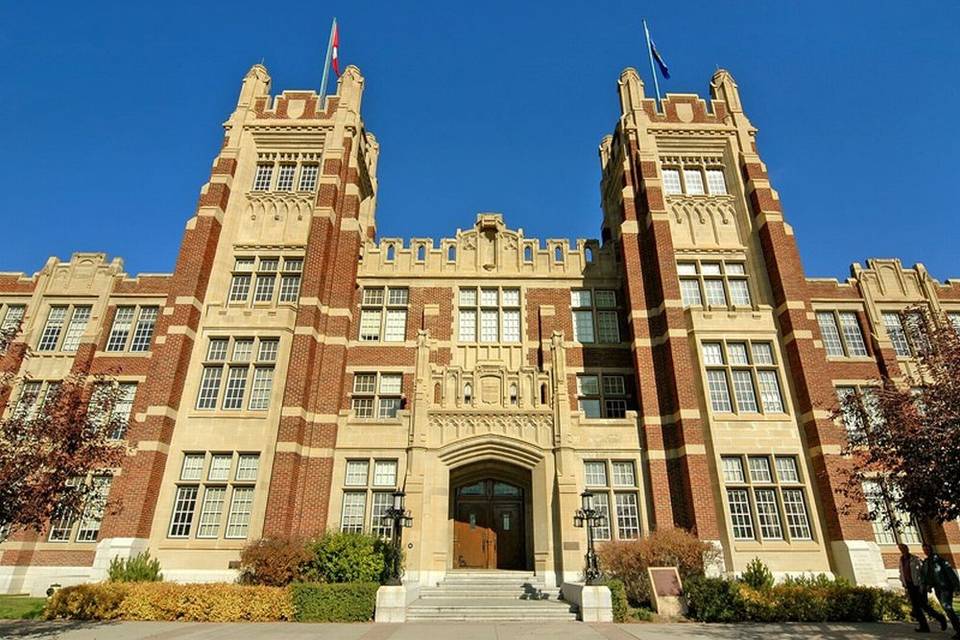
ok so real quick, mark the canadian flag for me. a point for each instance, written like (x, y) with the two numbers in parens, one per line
(335, 49)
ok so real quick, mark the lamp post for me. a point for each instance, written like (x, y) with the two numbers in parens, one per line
(588, 515)
(398, 518)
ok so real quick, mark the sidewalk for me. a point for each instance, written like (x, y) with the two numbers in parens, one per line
(30, 630)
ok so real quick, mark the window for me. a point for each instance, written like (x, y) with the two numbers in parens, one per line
(894, 327)
(123, 323)
(854, 414)
(85, 526)
(713, 282)
(606, 400)
(883, 514)
(953, 317)
(50, 337)
(750, 370)
(76, 328)
(308, 177)
(767, 497)
(622, 495)
(271, 278)
(495, 310)
(361, 488)
(849, 343)
(595, 316)
(34, 394)
(119, 418)
(693, 179)
(12, 318)
(377, 395)
(264, 177)
(216, 496)
(285, 177)
(247, 368)
(383, 314)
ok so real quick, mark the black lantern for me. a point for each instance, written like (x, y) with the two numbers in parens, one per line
(398, 518)
(588, 516)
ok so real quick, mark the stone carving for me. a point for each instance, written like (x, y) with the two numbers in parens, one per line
(534, 427)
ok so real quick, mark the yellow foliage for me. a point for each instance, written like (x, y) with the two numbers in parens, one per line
(206, 602)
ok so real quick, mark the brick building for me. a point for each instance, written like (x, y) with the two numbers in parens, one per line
(295, 368)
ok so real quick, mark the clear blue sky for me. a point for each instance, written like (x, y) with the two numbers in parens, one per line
(110, 113)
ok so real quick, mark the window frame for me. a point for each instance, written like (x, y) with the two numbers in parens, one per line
(481, 309)
(723, 371)
(619, 522)
(202, 481)
(374, 496)
(613, 404)
(595, 312)
(383, 308)
(375, 395)
(226, 361)
(700, 280)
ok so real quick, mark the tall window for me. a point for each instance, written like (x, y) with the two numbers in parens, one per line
(283, 175)
(368, 482)
(854, 414)
(377, 395)
(54, 338)
(12, 317)
(766, 498)
(693, 180)
(271, 279)
(614, 487)
(841, 333)
(34, 394)
(595, 316)
(119, 418)
(213, 485)
(602, 396)
(884, 514)
(85, 525)
(132, 328)
(713, 283)
(244, 363)
(489, 314)
(308, 177)
(263, 177)
(904, 344)
(750, 370)
(383, 314)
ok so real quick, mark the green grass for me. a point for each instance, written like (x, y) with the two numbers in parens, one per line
(20, 607)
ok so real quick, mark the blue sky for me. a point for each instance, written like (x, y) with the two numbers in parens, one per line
(111, 113)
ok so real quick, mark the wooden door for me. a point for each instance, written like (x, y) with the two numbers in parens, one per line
(472, 537)
(508, 532)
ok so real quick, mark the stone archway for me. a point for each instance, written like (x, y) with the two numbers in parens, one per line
(491, 515)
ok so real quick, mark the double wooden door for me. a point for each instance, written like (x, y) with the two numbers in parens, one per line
(488, 532)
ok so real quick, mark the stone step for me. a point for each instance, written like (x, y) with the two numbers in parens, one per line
(433, 594)
(490, 577)
(486, 609)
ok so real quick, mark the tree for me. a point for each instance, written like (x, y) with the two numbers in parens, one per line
(904, 435)
(58, 445)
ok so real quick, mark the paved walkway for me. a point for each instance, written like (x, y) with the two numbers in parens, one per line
(455, 631)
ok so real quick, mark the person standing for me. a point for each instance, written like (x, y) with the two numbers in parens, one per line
(940, 576)
(912, 581)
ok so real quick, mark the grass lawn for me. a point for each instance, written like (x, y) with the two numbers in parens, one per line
(20, 607)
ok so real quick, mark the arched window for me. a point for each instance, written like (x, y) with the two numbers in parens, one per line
(421, 253)
(513, 394)
(467, 393)
(452, 253)
(528, 254)
(589, 254)
(543, 393)
(390, 253)
(558, 254)
(436, 393)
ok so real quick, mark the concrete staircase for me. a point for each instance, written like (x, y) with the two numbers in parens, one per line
(518, 596)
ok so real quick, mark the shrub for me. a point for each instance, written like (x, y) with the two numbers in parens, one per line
(274, 562)
(757, 575)
(206, 602)
(640, 614)
(618, 595)
(714, 599)
(139, 568)
(87, 602)
(347, 602)
(345, 557)
(627, 561)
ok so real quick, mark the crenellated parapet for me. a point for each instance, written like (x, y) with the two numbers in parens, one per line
(489, 248)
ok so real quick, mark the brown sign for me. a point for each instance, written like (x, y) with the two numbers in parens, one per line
(666, 581)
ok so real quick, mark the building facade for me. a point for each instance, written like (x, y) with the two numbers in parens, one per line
(295, 369)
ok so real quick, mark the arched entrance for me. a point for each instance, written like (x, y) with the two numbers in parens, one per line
(490, 510)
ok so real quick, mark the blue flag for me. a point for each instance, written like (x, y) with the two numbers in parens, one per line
(664, 71)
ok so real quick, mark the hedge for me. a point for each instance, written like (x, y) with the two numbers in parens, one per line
(87, 601)
(344, 602)
(723, 600)
(618, 596)
(206, 603)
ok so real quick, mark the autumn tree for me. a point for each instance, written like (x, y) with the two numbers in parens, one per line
(904, 434)
(59, 442)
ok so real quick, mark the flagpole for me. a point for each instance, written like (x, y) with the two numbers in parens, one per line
(326, 63)
(653, 71)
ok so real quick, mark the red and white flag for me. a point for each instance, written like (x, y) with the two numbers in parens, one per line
(335, 55)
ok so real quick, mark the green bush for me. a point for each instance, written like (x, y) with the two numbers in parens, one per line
(618, 594)
(757, 575)
(346, 557)
(640, 614)
(347, 602)
(87, 602)
(139, 568)
(818, 599)
(274, 562)
(714, 599)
